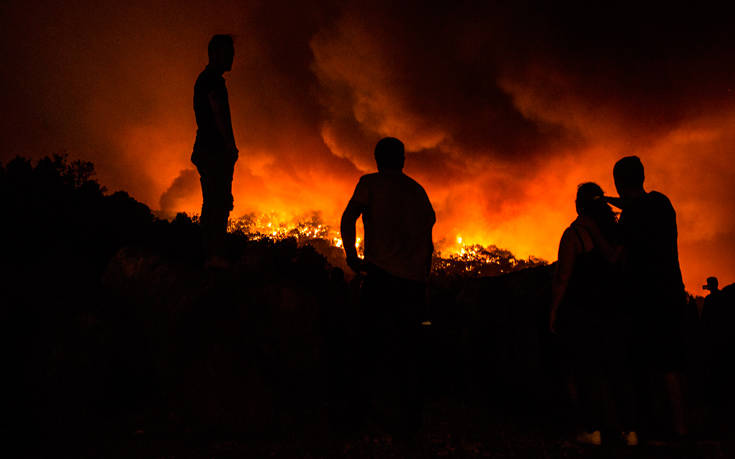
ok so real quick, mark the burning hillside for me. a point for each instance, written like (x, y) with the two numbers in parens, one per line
(273, 226)
(459, 258)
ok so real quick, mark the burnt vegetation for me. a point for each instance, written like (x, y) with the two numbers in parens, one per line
(113, 333)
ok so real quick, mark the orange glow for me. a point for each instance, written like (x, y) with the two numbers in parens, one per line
(500, 122)
(277, 227)
(685, 164)
(472, 259)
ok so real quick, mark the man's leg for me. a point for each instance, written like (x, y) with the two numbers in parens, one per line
(206, 216)
(410, 298)
(675, 392)
(217, 202)
(620, 375)
(673, 353)
(372, 338)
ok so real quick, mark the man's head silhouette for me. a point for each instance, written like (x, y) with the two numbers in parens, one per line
(628, 175)
(221, 52)
(712, 284)
(389, 154)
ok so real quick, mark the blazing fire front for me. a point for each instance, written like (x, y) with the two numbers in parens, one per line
(455, 257)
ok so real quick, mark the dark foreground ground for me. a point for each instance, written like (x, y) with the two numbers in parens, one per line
(446, 434)
(115, 342)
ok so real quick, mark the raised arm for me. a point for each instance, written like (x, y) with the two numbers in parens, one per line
(617, 202)
(348, 232)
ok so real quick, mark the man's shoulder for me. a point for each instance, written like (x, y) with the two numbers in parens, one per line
(411, 180)
(208, 79)
(362, 189)
(659, 202)
(367, 179)
(414, 183)
(203, 76)
(659, 198)
(391, 178)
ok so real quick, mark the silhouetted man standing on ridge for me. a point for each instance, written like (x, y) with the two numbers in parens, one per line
(398, 219)
(215, 152)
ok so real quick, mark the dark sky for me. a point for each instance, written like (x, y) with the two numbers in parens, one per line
(504, 107)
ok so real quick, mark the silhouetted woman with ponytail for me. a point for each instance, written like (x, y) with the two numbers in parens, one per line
(584, 314)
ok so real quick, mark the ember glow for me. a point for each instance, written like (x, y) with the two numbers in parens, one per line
(277, 227)
(459, 258)
(504, 109)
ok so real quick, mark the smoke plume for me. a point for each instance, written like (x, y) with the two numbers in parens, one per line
(503, 109)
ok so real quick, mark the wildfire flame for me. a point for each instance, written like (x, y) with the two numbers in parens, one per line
(276, 227)
(459, 258)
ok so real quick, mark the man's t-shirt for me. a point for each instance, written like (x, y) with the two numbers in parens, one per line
(209, 144)
(398, 219)
(650, 237)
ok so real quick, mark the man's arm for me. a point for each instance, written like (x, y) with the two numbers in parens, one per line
(221, 111)
(348, 232)
(617, 202)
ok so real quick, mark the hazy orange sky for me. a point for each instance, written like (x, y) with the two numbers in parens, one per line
(504, 110)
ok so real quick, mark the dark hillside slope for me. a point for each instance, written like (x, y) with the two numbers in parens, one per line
(109, 323)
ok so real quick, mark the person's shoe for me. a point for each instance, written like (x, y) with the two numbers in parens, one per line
(593, 438)
(630, 438)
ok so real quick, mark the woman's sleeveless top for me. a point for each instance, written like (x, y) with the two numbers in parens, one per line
(588, 301)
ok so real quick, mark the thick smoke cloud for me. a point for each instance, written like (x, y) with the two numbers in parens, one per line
(504, 109)
(182, 189)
